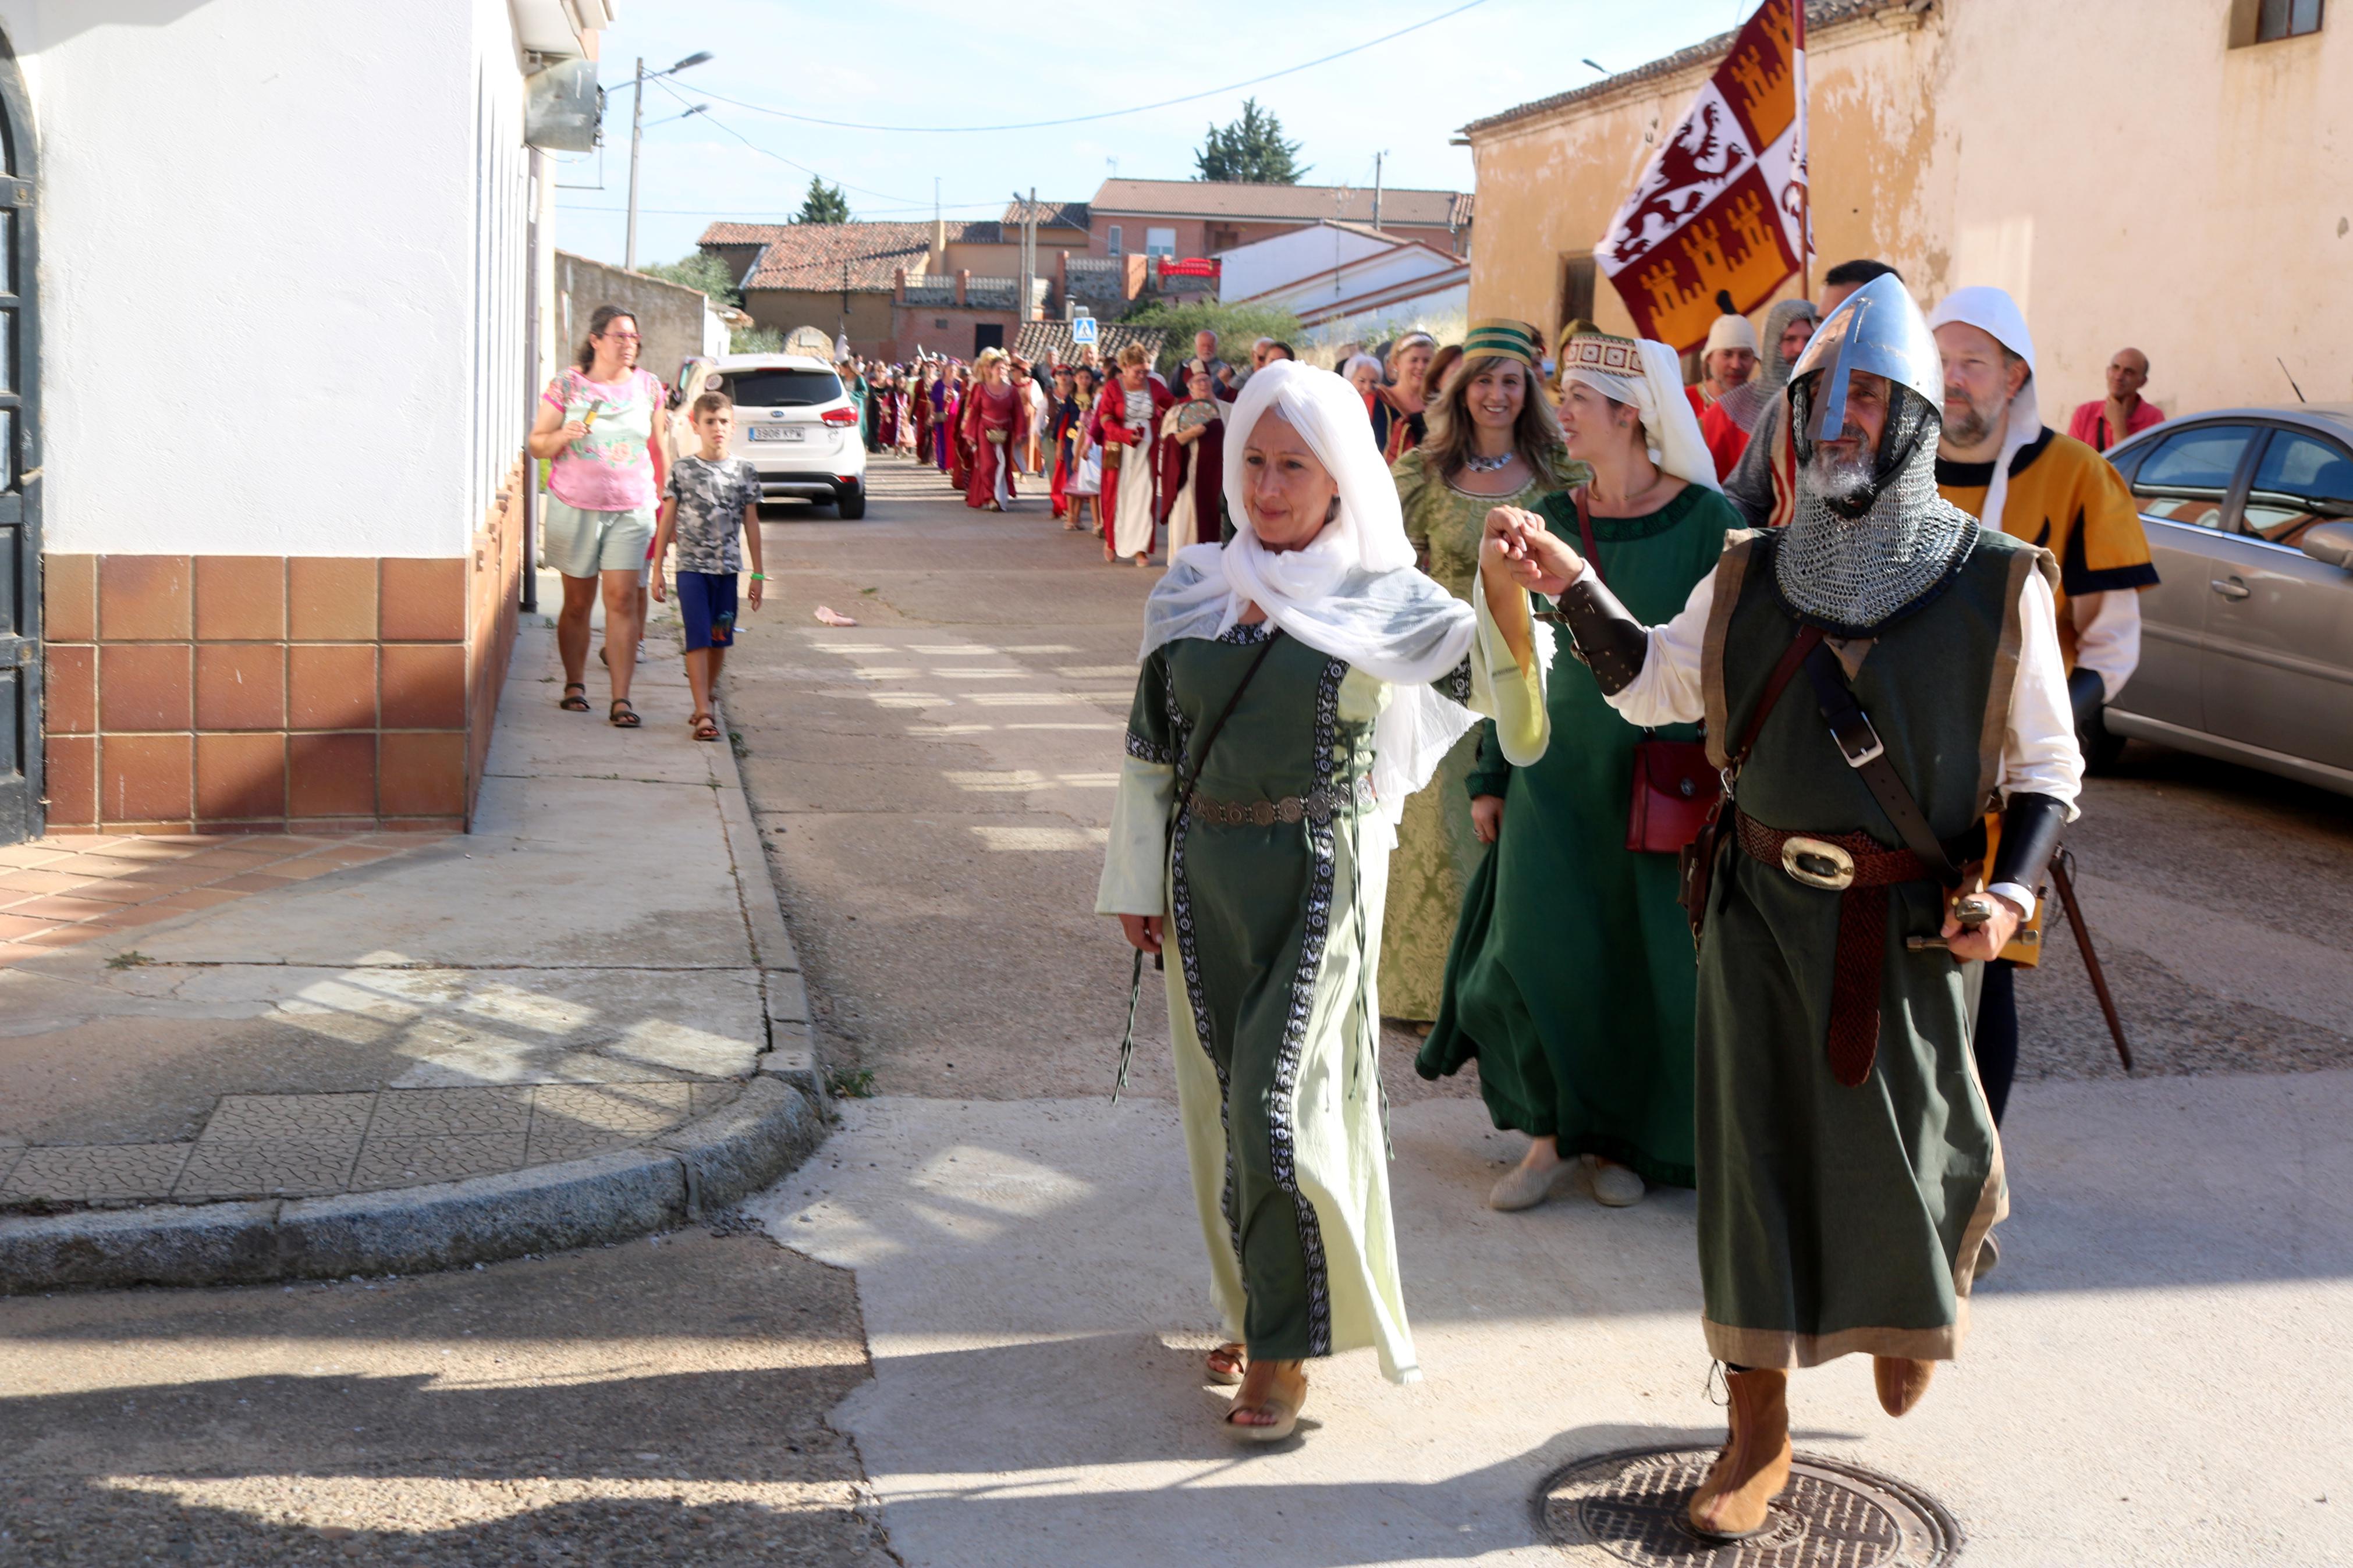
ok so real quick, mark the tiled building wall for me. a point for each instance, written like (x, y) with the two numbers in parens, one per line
(227, 693)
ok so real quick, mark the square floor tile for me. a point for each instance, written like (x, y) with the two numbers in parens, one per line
(249, 1118)
(447, 1157)
(87, 1174)
(283, 1169)
(426, 1112)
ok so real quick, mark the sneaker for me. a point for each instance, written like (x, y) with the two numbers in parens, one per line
(1616, 1186)
(1524, 1187)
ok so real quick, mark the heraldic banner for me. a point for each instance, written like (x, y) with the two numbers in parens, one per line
(1722, 205)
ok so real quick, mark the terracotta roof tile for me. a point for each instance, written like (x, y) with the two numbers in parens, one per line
(1050, 214)
(1280, 204)
(812, 255)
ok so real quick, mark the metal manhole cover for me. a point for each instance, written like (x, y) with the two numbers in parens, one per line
(1628, 1507)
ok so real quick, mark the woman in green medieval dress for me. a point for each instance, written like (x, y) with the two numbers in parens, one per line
(1493, 442)
(1298, 683)
(1571, 978)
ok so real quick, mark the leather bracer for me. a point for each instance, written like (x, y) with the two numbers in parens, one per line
(1608, 638)
(2030, 836)
(2087, 693)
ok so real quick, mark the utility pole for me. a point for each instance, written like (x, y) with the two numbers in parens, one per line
(1029, 210)
(636, 133)
(1376, 185)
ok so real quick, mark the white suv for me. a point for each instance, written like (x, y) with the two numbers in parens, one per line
(793, 421)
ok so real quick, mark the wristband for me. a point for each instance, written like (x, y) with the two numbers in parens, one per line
(757, 578)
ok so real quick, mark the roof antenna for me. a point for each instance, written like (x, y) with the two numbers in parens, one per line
(2291, 379)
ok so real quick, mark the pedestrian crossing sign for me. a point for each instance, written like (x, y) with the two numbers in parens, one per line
(1082, 329)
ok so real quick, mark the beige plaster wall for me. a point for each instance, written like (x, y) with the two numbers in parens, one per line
(2128, 176)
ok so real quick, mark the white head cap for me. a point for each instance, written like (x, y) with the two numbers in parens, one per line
(1731, 333)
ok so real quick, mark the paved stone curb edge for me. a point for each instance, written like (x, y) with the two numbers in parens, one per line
(703, 1166)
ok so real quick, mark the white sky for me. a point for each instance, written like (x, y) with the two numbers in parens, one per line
(925, 62)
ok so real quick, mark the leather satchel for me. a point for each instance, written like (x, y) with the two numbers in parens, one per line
(1674, 788)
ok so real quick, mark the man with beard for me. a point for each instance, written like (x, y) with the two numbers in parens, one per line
(1998, 462)
(1849, 1169)
(1760, 483)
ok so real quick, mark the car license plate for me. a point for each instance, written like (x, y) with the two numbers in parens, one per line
(776, 433)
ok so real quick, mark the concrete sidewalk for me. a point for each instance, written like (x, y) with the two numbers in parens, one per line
(600, 963)
(2148, 1378)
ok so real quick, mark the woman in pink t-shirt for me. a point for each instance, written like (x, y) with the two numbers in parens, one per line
(596, 424)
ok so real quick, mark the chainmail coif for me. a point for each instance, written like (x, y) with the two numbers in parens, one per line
(1857, 564)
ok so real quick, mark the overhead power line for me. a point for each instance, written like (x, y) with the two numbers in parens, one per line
(1106, 114)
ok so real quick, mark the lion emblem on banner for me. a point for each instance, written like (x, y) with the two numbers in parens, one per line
(1689, 172)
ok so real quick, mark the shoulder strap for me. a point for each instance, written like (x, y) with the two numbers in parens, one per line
(1860, 744)
(1808, 639)
(1200, 753)
(1585, 538)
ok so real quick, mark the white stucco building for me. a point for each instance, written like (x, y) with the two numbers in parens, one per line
(274, 347)
(1346, 281)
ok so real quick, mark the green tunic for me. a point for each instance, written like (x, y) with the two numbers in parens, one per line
(1571, 976)
(1836, 1220)
(1437, 851)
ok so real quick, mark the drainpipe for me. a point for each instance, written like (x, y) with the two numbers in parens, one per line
(530, 604)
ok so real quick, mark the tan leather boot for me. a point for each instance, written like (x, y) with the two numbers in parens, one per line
(1732, 1503)
(1902, 1381)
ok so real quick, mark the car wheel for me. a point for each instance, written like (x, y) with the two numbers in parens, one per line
(850, 503)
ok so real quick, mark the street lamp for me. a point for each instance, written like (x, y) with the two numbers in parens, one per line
(636, 131)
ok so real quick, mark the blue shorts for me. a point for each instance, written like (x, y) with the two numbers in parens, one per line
(706, 602)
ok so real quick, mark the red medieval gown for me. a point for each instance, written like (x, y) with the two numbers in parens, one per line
(1192, 474)
(1108, 424)
(988, 410)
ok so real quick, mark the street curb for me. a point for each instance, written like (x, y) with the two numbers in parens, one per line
(703, 1166)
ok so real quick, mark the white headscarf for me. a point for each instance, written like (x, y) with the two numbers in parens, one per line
(1351, 593)
(1993, 312)
(1669, 428)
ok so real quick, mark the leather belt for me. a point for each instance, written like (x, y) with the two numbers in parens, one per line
(1318, 806)
(1859, 869)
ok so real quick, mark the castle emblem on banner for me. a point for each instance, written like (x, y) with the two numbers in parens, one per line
(1721, 207)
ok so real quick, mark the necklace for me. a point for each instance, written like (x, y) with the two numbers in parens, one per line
(1479, 465)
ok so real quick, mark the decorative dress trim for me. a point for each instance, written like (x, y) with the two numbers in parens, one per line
(1455, 685)
(1280, 1135)
(1145, 751)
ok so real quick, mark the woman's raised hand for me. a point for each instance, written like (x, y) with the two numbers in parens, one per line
(1536, 558)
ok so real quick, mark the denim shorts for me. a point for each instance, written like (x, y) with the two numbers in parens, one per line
(706, 602)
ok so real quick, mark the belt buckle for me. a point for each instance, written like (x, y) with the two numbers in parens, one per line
(1817, 863)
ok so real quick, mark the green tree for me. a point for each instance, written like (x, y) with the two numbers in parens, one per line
(700, 271)
(824, 204)
(1250, 151)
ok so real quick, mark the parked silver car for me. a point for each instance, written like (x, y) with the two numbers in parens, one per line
(2247, 641)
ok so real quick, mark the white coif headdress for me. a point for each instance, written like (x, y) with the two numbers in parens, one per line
(1993, 312)
(1351, 593)
(1648, 375)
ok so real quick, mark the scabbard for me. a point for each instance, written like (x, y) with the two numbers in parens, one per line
(2062, 878)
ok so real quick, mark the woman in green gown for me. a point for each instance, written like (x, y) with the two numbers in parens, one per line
(1493, 442)
(1571, 977)
(1298, 684)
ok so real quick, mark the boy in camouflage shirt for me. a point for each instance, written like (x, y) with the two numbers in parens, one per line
(709, 500)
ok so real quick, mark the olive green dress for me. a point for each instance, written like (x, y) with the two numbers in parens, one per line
(1273, 1011)
(1437, 851)
(1571, 973)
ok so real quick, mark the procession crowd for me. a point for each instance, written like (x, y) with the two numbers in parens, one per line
(1469, 714)
(1461, 702)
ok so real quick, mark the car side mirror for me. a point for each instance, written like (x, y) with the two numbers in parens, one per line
(2330, 544)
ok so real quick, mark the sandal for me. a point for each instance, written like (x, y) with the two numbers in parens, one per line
(1284, 1411)
(571, 704)
(622, 716)
(704, 727)
(1225, 1364)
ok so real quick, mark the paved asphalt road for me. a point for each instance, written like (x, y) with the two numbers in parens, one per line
(932, 786)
